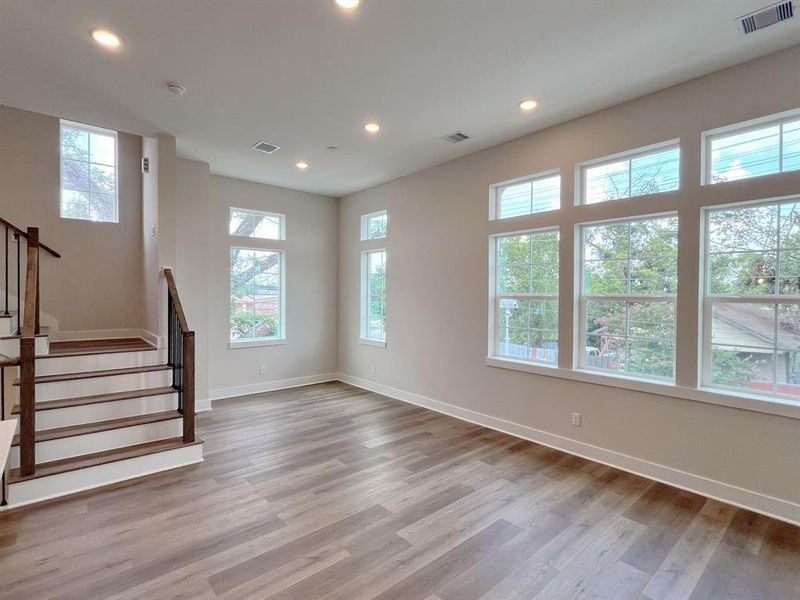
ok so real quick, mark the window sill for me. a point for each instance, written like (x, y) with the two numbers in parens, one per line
(369, 342)
(751, 402)
(256, 343)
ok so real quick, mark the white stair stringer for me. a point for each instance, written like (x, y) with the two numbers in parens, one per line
(104, 384)
(104, 411)
(54, 364)
(46, 487)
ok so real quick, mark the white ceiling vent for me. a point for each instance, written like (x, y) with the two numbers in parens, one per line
(265, 147)
(456, 137)
(768, 16)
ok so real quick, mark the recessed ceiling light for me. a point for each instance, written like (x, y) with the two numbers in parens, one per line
(528, 105)
(106, 38)
(372, 127)
(302, 165)
(348, 4)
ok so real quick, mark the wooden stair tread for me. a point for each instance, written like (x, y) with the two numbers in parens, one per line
(98, 426)
(100, 373)
(75, 463)
(99, 398)
(88, 347)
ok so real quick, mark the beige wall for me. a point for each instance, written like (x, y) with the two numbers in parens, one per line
(98, 284)
(437, 301)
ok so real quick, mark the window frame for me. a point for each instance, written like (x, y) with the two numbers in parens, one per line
(364, 295)
(495, 297)
(279, 339)
(629, 155)
(709, 135)
(496, 189)
(281, 220)
(87, 129)
(365, 219)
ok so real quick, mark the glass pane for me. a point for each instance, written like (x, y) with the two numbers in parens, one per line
(606, 242)
(605, 277)
(789, 282)
(744, 327)
(654, 173)
(790, 226)
(791, 146)
(546, 194)
(376, 226)
(266, 315)
(266, 226)
(513, 329)
(654, 320)
(742, 273)
(749, 369)
(103, 149)
(604, 319)
(74, 204)
(515, 200)
(514, 279)
(544, 262)
(605, 352)
(241, 222)
(650, 358)
(743, 155)
(74, 175)
(752, 228)
(376, 296)
(255, 224)
(607, 182)
(789, 326)
(103, 179)
(514, 249)
(103, 208)
(75, 144)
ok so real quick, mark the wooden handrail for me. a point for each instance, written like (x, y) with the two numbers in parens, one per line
(24, 234)
(173, 292)
(27, 358)
(180, 351)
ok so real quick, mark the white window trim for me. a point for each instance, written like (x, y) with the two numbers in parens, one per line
(494, 297)
(88, 129)
(281, 220)
(496, 188)
(710, 135)
(365, 225)
(267, 341)
(364, 276)
(580, 169)
(579, 324)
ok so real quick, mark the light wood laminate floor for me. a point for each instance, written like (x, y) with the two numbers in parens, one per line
(331, 492)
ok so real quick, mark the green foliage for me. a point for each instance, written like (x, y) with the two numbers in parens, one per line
(735, 369)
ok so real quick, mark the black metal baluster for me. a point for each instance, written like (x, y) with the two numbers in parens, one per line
(3, 501)
(19, 287)
(6, 273)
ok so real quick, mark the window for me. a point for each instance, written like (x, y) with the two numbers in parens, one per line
(88, 173)
(528, 196)
(526, 296)
(636, 173)
(373, 296)
(374, 225)
(627, 304)
(752, 149)
(256, 298)
(752, 298)
(257, 224)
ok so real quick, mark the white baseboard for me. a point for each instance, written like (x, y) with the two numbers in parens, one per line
(724, 492)
(269, 386)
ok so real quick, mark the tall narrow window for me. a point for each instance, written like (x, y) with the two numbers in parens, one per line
(752, 299)
(539, 193)
(635, 173)
(526, 296)
(374, 225)
(373, 296)
(88, 173)
(629, 282)
(256, 297)
(256, 224)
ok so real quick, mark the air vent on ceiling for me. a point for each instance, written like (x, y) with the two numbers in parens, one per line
(265, 147)
(456, 137)
(768, 16)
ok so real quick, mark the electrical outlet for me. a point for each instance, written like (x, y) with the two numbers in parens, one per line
(576, 419)
(372, 369)
(263, 369)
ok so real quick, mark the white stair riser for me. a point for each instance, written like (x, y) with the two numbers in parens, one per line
(44, 488)
(10, 347)
(8, 325)
(104, 411)
(103, 440)
(100, 362)
(90, 386)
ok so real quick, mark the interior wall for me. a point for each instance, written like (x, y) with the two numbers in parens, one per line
(437, 289)
(97, 284)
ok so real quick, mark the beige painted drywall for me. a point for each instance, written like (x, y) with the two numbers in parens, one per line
(437, 302)
(98, 284)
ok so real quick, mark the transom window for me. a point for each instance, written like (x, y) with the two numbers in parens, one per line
(256, 224)
(535, 194)
(752, 150)
(256, 295)
(752, 299)
(635, 173)
(374, 225)
(526, 296)
(88, 173)
(373, 296)
(627, 303)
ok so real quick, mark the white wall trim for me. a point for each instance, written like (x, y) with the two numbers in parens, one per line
(718, 490)
(269, 386)
(103, 334)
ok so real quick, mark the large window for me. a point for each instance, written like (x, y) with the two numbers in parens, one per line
(374, 225)
(526, 296)
(635, 173)
(752, 150)
(627, 302)
(752, 300)
(373, 296)
(88, 173)
(256, 295)
(535, 194)
(256, 224)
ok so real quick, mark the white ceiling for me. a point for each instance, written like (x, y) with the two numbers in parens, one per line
(304, 75)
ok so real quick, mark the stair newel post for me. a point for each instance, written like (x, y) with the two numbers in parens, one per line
(27, 359)
(187, 385)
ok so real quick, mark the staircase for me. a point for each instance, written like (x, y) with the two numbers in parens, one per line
(89, 412)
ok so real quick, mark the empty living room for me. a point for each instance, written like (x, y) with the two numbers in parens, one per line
(399, 300)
